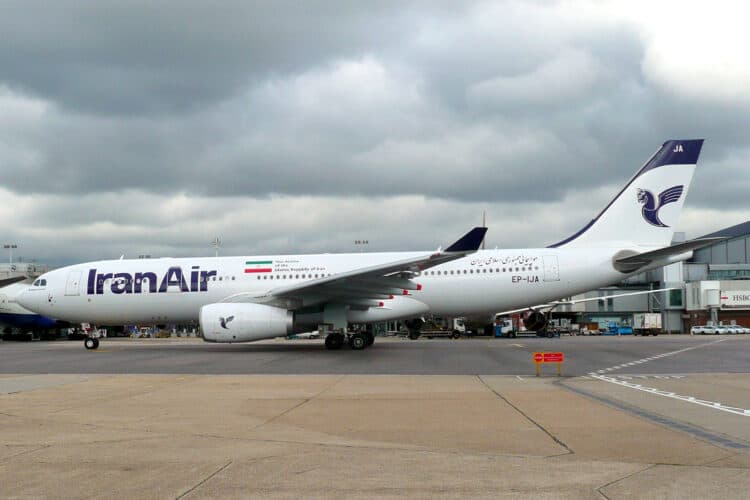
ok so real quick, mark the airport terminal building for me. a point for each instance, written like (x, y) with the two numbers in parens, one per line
(712, 286)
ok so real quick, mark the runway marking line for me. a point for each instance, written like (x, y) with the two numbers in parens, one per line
(745, 412)
(688, 399)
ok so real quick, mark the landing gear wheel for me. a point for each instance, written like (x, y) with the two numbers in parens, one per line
(456, 334)
(370, 339)
(334, 341)
(358, 341)
(550, 335)
(91, 343)
(414, 334)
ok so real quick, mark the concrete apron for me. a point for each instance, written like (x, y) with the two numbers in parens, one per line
(146, 436)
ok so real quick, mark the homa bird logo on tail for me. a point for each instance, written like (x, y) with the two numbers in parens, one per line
(224, 321)
(651, 206)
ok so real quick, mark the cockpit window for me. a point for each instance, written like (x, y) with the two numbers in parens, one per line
(36, 283)
(42, 282)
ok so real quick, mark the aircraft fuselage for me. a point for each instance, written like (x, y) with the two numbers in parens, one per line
(172, 290)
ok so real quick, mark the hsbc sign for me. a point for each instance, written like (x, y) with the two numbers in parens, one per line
(735, 299)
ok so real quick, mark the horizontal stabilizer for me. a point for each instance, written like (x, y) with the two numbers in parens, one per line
(635, 262)
(469, 242)
(548, 307)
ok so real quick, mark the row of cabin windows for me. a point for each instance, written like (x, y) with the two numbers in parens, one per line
(313, 276)
(296, 276)
(426, 273)
(482, 271)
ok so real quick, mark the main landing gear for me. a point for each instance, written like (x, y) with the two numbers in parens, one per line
(334, 341)
(91, 342)
(357, 341)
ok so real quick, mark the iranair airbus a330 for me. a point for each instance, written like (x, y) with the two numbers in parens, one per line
(247, 298)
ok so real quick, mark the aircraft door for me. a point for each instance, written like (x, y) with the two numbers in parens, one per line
(551, 268)
(72, 287)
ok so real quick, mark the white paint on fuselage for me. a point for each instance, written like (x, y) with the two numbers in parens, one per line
(484, 282)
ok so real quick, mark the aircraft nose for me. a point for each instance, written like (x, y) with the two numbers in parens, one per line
(32, 299)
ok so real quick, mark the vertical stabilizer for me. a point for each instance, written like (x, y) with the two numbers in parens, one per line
(648, 207)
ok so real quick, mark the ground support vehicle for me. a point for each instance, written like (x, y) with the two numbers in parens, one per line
(646, 324)
(512, 333)
(615, 329)
(562, 325)
(436, 327)
(444, 327)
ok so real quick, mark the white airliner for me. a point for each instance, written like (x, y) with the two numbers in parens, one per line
(240, 299)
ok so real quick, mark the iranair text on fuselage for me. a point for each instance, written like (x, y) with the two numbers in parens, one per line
(174, 279)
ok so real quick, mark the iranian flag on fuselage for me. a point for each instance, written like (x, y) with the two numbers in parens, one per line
(258, 266)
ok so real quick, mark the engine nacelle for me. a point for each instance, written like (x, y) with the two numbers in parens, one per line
(241, 322)
(535, 321)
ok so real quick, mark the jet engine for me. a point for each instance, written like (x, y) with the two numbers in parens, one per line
(535, 321)
(242, 322)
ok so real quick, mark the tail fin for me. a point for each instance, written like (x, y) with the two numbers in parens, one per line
(648, 207)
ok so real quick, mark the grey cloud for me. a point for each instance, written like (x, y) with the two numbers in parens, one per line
(150, 58)
(135, 124)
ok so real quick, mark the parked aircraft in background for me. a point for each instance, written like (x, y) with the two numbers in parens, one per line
(16, 322)
(239, 299)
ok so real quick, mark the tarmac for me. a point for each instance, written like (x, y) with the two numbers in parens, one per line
(630, 432)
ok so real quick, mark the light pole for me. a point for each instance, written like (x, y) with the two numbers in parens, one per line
(216, 243)
(10, 247)
(361, 242)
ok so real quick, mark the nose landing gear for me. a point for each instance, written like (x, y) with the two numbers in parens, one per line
(91, 343)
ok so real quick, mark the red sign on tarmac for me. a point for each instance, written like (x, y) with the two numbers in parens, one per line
(549, 357)
(554, 357)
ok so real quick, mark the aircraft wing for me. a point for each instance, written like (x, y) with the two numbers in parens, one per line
(552, 305)
(364, 287)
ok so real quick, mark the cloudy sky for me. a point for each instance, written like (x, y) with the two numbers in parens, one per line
(146, 127)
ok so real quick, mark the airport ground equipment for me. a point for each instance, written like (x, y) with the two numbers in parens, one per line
(444, 327)
(647, 324)
(616, 329)
(506, 328)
